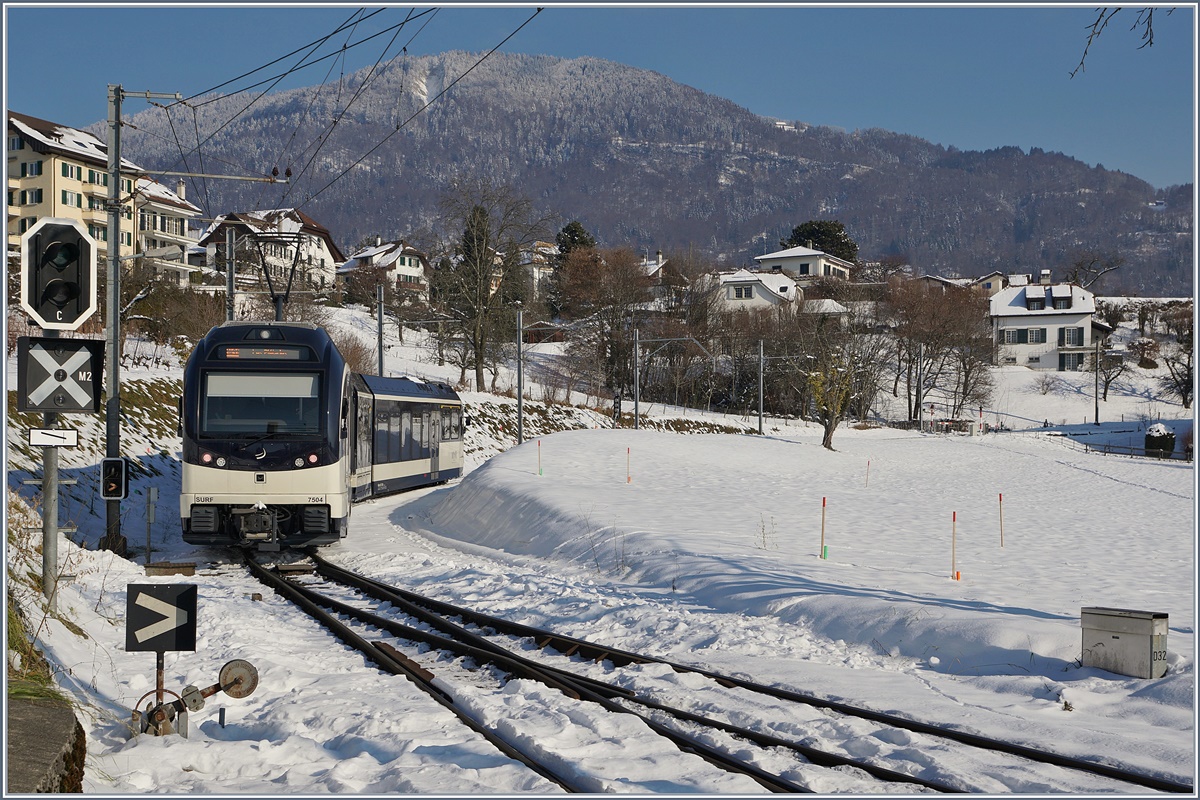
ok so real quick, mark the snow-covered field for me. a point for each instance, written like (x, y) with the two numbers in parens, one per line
(938, 577)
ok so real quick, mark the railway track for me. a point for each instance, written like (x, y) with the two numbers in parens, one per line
(447, 628)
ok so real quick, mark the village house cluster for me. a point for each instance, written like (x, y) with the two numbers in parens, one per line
(58, 171)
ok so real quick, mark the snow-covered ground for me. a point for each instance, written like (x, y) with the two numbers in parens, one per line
(933, 576)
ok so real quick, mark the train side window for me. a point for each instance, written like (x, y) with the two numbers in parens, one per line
(395, 434)
(456, 424)
(381, 432)
(425, 434)
(408, 436)
(445, 426)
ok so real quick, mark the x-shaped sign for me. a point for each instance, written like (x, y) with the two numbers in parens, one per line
(59, 375)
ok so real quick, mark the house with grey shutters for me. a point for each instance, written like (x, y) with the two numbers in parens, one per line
(1044, 325)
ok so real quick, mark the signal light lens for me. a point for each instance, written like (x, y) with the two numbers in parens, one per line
(207, 458)
(312, 458)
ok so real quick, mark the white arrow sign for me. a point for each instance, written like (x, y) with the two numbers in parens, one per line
(173, 617)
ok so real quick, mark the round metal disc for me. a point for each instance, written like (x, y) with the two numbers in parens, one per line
(232, 672)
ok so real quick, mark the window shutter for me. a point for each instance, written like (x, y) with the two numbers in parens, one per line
(1062, 362)
(1079, 340)
(1022, 336)
(1062, 340)
(1044, 337)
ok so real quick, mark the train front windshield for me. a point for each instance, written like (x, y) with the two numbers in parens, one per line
(247, 404)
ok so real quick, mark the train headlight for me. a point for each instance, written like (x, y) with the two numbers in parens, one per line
(221, 461)
(299, 462)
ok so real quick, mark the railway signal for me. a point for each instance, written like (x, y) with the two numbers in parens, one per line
(58, 274)
(114, 479)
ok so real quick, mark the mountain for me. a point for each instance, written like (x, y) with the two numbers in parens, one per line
(644, 161)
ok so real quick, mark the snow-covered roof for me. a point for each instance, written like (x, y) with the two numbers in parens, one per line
(43, 135)
(383, 255)
(778, 284)
(1014, 301)
(824, 306)
(282, 222)
(156, 192)
(802, 252)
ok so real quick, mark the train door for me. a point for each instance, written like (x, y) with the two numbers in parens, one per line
(435, 440)
(363, 419)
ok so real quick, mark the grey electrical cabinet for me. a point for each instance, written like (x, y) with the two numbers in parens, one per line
(1126, 642)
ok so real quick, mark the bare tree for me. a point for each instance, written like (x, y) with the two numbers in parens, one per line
(1144, 21)
(601, 289)
(1089, 267)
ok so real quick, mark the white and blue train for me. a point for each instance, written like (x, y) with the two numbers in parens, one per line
(280, 437)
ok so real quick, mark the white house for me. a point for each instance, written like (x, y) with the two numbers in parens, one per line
(407, 266)
(1044, 325)
(744, 290)
(278, 239)
(163, 218)
(805, 265)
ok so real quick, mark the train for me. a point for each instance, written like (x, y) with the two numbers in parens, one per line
(280, 437)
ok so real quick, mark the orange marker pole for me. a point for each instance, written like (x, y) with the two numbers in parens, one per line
(868, 480)
(954, 546)
(628, 473)
(539, 456)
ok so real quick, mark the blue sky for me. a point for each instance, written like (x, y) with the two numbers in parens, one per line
(973, 77)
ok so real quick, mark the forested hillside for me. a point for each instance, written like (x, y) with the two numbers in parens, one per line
(644, 161)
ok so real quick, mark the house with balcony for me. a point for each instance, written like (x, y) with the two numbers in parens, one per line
(59, 171)
(269, 245)
(164, 221)
(1044, 325)
(805, 264)
(403, 264)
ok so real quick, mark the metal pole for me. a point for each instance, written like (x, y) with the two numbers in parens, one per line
(920, 382)
(50, 519)
(520, 376)
(760, 386)
(113, 540)
(379, 325)
(230, 267)
(636, 377)
(151, 499)
(1096, 390)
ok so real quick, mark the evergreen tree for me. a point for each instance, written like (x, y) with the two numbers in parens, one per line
(572, 237)
(827, 235)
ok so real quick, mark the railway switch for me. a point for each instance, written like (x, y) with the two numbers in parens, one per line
(237, 679)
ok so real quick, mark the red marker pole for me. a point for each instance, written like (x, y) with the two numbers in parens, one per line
(539, 456)
(628, 472)
(868, 480)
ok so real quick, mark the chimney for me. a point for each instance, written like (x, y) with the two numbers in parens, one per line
(181, 189)
(1045, 277)
(658, 257)
(378, 241)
